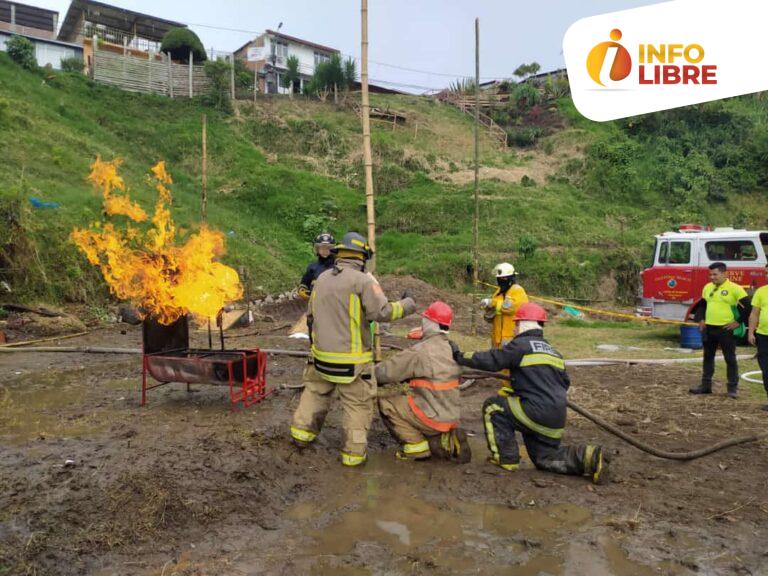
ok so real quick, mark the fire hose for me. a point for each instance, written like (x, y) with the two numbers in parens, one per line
(607, 426)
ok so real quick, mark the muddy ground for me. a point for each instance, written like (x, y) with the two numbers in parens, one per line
(92, 483)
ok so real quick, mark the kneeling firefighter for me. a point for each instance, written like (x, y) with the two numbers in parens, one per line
(425, 420)
(344, 302)
(534, 403)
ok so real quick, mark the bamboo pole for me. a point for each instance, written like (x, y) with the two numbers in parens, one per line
(475, 257)
(204, 201)
(232, 76)
(191, 69)
(368, 159)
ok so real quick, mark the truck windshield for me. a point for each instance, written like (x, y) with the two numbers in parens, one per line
(675, 253)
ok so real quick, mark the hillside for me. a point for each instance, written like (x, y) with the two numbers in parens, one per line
(575, 211)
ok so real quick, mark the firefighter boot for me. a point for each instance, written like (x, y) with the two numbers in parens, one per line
(702, 389)
(437, 446)
(596, 465)
(733, 391)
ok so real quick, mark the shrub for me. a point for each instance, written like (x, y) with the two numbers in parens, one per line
(180, 41)
(218, 72)
(73, 64)
(22, 51)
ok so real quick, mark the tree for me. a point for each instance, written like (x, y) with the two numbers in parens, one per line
(180, 41)
(350, 73)
(525, 70)
(291, 79)
(22, 51)
(328, 76)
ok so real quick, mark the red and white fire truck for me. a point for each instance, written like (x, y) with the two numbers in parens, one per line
(680, 268)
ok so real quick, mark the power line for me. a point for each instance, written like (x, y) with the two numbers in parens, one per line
(356, 58)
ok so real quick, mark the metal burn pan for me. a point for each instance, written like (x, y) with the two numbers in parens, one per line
(203, 366)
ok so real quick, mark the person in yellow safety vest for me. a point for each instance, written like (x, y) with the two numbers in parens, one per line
(425, 419)
(501, 307)
(723, 303)
(345, 301)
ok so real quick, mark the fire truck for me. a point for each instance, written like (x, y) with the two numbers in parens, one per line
(680, 267)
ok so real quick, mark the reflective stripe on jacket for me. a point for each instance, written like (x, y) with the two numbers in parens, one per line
(344, 302)
(502, 311)
(538, 370)
(433, 377)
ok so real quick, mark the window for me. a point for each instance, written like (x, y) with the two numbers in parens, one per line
(731, 250)
(675, 253)
(320, 57)
(279, 51)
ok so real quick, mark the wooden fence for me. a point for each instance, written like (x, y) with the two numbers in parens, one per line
(156, 74)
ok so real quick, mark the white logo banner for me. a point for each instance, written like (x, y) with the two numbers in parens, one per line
(665, 56)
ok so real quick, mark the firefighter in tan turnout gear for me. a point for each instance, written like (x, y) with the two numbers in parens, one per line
(425, 420)
(345, 301)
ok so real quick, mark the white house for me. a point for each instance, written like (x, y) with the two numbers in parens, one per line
(267, 54)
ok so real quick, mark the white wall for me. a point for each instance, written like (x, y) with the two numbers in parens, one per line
(305, 54)
(47, 53)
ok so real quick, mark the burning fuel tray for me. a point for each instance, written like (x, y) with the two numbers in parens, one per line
(242, 370)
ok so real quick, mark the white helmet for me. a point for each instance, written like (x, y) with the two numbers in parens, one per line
(504, 269)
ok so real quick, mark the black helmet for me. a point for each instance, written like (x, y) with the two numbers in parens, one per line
(325, 238)
(354, 242)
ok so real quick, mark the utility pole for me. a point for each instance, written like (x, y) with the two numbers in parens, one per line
(204, 202)
(367, 159)
(475, 257)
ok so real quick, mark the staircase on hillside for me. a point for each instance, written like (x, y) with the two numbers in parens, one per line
(467, 105)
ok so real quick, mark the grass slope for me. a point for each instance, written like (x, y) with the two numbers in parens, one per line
(581, 224)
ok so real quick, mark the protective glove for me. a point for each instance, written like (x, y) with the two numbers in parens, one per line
(485, 303)
(458, 355)
(407, 294)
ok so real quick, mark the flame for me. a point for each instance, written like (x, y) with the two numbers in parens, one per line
(164, 280)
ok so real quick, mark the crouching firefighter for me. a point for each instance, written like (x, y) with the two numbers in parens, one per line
(534, 403)
(425, 419)
(344, 302)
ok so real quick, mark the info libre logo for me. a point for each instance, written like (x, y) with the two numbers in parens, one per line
(609, 63)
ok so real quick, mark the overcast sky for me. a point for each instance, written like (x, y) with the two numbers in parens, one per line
(432, 36)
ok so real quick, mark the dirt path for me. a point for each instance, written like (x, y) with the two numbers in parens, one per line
(91, 483)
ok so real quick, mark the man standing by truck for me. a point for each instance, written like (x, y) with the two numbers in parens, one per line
(723, 304)
(758, 331)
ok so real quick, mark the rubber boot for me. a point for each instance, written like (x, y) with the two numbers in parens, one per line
(597, 466)
(511, 466)
(733, 392)
(701, 389)
(436, 446)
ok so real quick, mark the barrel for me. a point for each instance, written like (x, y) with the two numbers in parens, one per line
(690, 337)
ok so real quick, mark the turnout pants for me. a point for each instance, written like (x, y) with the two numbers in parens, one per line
(762, 357)
(714, 337)
(546, 452)
(403, 424)
(357, 403)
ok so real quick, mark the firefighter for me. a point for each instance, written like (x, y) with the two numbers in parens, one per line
(324, 245)
(758, 331)
(534, 403)
(425, 419)
(344, 302)
(500, 308)
(722, 303)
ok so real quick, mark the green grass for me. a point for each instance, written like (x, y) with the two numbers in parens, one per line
(281, 172)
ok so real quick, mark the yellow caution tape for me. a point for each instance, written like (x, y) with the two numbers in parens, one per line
(602, 312)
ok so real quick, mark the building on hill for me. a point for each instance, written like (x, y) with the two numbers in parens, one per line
(268, 53)
(39, 26)
(118, 29)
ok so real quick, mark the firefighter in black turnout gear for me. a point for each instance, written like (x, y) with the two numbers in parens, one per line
(534, 403)
(324, 245)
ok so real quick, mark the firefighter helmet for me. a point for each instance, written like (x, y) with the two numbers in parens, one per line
(531, 311)
(325, 239)
(439, 312)
(503, 270)
(354, 242)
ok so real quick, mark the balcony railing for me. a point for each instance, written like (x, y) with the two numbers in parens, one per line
(119, 37)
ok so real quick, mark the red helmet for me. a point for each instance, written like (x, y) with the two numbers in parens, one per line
(439, 312)
(531, 311)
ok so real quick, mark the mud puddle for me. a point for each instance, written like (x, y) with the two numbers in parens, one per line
(387, 508)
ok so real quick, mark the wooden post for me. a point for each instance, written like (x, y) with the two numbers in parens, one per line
(232, 75)
(191, 69)
(125, 50)
(170, 74)
(475, 255)
(204, 201)
(367, 157)
(150, 61)
(94, 48)
(255, 83)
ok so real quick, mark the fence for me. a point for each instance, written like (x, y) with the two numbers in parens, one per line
(155, 74)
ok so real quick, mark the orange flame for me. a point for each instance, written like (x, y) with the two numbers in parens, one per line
(146, 267)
